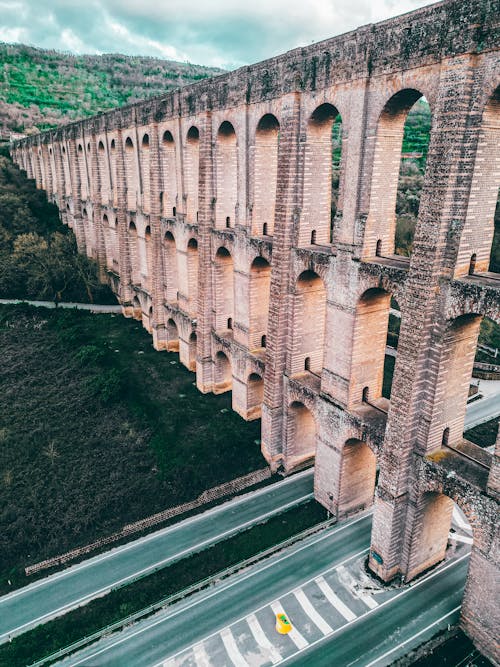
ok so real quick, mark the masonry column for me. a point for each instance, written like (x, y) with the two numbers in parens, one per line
(158, 324)
(126, 292)
(49, 183)
(285, 222)
(204, 363)
(56, 149)
(97, 208)
(77, 194)
(443, 206)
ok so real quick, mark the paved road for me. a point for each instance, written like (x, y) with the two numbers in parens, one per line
(336, 611)
(93, 307)
(482, 410)
(55, 595)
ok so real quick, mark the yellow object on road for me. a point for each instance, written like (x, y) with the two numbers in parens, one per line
(283, 625)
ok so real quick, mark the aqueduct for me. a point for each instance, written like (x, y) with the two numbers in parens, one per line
(209, 210)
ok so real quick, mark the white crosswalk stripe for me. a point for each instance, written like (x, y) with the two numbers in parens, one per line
(258, 634)
(200, 655)
(315, 617)
(353, 586)
(335, 600)
(232, 648)
(299, 641)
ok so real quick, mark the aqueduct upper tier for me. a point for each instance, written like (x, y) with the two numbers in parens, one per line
(222, 221)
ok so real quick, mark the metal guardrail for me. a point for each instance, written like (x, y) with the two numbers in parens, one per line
(190, 590)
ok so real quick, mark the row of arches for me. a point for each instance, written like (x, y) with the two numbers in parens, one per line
(399, 159)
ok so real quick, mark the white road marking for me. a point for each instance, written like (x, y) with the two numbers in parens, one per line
(460, 520)
(334, 600)
(299, 641)
(228, 504)
(232, 648)
(384, 604)
(315, 617)
(353, 586)
(260, 637)
(217, 591)
(150, 568)
(460, 538)
(200, 655)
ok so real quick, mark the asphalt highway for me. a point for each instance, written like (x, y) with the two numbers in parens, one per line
(339, 615)
(55, 595)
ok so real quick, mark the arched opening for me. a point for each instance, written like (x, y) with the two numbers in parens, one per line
(103, 167)
(149, 325)
(113, 144)
(191, 170)
(224, 289)
(454, 372)
(192, 351)
(145, 141)
(192, 276)
(313, 237)
(307, 364)
(145, 162)
(148, 269)
(375, 337)
(255, 396)
(265, 174)
(226, 175)
(109, 241)
(230, 323)
(223, 374)
(400, 155)
(131, 174)
(308, 328)
(472, 264)
(357, 477)
(169, 174)
(263, 341)
(172, 336)
(133, 251)
(260, 286)
(170, 271)
(446, 437)
(434, 513)
(137, 309)
(322, 169)
(480, 237)
(300, 434)
(228, 222)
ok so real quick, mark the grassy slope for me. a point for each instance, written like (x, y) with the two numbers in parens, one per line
(97, 430)
(43, 88)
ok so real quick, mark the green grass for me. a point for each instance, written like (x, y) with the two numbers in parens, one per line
(97, 430)
(59, 633)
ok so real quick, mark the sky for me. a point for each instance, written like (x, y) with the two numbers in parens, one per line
(219, 33)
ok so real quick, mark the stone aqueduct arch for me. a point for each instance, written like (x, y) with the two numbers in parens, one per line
(210, 210)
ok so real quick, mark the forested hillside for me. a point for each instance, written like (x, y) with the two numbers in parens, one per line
(40, 89)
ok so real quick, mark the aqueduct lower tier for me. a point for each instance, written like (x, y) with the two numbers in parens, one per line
(210, 211)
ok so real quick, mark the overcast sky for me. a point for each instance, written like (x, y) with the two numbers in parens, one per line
(223, 33)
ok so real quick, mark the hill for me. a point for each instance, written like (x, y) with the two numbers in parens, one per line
(40, 89)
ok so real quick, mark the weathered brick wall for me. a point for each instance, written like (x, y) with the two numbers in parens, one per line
(211, 209)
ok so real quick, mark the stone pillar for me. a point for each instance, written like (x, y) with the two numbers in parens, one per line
(97, 208)
(126, 292)
(286, 220)
(494, 476)
(77, 195)
(59, 185)
(156, 279)
(442, 208)
(206, 211)
(49, 183)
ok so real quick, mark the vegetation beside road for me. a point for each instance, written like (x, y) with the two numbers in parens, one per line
(59, 633)
(98, 430)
